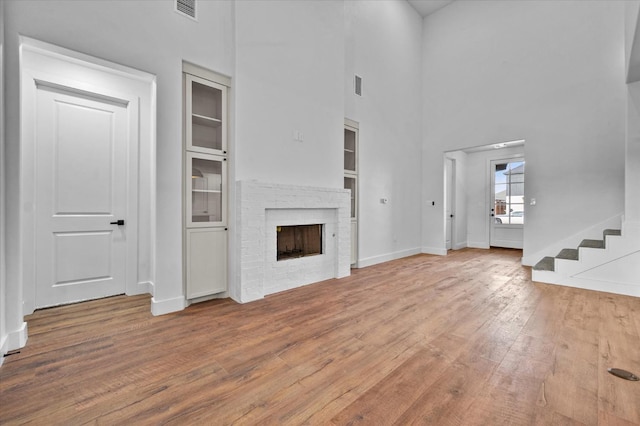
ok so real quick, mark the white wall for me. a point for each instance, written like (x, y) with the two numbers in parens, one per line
(632, 165)
(632, 158)
(551, 73)
(145, 35)
(3, 293)
(382, 45)
(289, 68)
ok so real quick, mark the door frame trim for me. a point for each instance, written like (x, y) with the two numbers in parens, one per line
(43, 63)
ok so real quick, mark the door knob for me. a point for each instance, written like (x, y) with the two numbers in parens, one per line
(118, 222)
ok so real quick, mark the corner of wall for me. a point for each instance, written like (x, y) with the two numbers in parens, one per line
(632, 41)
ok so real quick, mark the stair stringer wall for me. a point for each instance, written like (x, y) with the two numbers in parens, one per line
(614, 269)
(593, 232)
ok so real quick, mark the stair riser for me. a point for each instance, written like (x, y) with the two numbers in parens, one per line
(590, 258)
(620, 245)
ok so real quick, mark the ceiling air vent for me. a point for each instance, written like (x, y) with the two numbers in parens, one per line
(186, 7)
(358, 85)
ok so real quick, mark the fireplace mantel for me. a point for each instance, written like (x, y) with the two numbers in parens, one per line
(261, 207)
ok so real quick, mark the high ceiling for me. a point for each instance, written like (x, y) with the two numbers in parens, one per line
(427, 7)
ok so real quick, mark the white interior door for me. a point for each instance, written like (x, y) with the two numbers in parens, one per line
(507, 203)
(81, 190)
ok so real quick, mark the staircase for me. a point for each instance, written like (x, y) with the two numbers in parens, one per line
(611, 264)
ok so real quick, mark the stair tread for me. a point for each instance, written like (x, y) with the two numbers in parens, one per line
(592, 243)
(570, 254)
(617, 232)
(546, 264)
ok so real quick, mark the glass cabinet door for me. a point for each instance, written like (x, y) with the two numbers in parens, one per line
(206, 182)
(350, 183)
(350, 151)
(206, 116)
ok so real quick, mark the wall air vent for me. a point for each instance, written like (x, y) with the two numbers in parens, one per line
(186, 7)
(358, 85)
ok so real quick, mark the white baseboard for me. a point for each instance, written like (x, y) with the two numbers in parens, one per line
(14, 340)
(549, 277)
(460, 246)
(439, 251)
(162, 307)
(3, 348)
(374, 260)
(223, 295)
(247, 299)
(478, 244)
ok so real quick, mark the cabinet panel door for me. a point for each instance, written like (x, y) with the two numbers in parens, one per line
(206, 116)
(206, 262)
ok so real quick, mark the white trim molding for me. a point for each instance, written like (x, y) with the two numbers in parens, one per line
(374, 260)
(163, 307)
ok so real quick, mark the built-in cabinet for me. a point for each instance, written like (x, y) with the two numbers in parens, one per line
(351, 131)
(205, 182)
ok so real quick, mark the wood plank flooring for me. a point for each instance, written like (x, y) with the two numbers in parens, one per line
(466, 339)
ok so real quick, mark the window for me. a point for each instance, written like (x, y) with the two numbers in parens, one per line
(509, 193)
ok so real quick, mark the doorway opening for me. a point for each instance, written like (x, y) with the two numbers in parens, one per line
(467, 206)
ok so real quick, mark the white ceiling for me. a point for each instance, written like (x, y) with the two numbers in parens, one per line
(427, 7)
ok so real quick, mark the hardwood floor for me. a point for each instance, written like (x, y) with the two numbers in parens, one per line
(465, 339)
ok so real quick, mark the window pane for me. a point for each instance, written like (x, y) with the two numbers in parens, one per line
(350, 183)
(206, 190)
(349, 150)
(509, 193)
(206, 120)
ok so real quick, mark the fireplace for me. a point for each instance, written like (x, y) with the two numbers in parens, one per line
(262, 209)
(298, 241)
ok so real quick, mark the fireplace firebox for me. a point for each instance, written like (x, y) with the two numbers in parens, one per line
(298, 241)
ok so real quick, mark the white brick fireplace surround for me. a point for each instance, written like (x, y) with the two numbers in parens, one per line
(261, 207)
